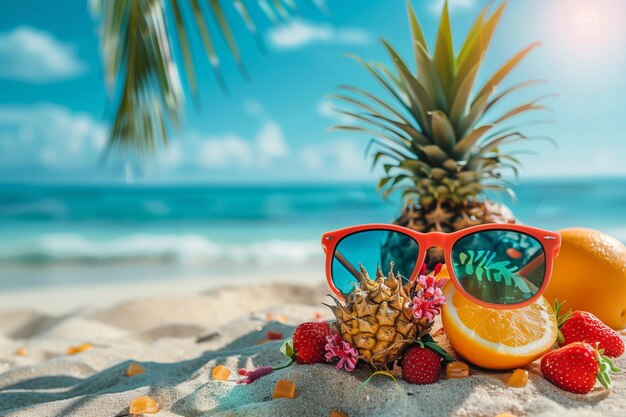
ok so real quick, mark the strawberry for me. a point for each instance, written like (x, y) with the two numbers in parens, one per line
(576, 367)
(421, 365)
(309, 342)
(581, 326)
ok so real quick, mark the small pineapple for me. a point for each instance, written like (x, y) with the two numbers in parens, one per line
(378, 319)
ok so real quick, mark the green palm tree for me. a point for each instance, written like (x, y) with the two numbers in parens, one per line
(141, 71)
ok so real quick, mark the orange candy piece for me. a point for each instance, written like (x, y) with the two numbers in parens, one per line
(457, 370)
(284, 389)
(135, 369)
(337, 413)
(73, 350)
(518, 379)
(22, 351)
(143, 405)
(220, 373)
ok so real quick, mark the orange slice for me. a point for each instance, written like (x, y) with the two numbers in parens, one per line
(498, 339)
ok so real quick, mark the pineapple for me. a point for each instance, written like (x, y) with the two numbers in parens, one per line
(377, 318)
(434, 136)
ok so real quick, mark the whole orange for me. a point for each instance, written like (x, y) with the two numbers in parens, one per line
(590, 275)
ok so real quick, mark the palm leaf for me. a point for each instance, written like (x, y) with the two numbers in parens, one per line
(480, 264)
(140, 41)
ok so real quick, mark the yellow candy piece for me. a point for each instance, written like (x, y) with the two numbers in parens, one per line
(73, 350)
(143, 405)
(220, 373)
(518, 379)
(457, 370)
(337, 413)
(22, 351)
(284, 389)
(135, 369)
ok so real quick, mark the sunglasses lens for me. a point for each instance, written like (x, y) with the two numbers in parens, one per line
(499, 266)
(372, 248)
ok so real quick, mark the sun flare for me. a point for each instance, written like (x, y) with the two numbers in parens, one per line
(589, 27)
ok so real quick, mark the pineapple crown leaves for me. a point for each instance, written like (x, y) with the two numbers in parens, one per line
(431, 133)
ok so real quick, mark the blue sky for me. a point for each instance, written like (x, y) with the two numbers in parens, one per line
(54, 111)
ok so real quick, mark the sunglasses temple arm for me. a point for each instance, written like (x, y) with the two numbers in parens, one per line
(349, 267)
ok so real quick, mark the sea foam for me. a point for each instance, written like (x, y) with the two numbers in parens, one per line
(62, 248)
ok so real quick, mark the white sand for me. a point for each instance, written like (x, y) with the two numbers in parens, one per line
(161, 333)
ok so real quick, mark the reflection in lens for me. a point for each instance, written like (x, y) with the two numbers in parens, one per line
(499, 266)
(372, 248)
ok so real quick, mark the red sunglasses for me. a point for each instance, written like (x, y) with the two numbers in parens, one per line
(494, 265)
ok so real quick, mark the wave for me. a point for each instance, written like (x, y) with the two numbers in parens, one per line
(186, 249)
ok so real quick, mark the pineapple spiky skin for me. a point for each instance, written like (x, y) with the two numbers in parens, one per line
(447, 218)
(377, 318)
(442, 217)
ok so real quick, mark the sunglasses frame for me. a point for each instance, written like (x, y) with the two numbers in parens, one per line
(550, 242)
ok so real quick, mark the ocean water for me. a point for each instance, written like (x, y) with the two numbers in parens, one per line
(55, 235)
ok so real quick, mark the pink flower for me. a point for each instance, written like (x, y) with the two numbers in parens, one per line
(429, 298)
(429, 281)
(254, 374)
(337, 348)
(423, 307)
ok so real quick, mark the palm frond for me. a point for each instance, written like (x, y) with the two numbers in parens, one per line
(140, 40)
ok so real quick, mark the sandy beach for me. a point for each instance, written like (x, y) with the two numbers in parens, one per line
(179, 337)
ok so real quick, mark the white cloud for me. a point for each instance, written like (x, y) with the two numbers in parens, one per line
(254, 107)
(172, 156)
(231, 150)
(49, 135)
(344, 158)
(29, 54)
(270, 142)
(299, 33)
(437, 5)
(225, 151)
